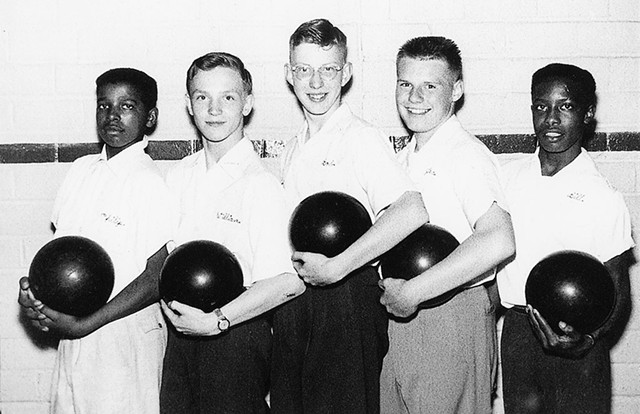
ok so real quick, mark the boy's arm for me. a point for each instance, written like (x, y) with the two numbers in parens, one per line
(491, 242)
(140, 293)
(399, 220)
(574, 344)
(261, 297)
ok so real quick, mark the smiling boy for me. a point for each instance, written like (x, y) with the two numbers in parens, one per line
(117, 198)
(329, 343)
(219, 362)
(547, 217)
(442, 359)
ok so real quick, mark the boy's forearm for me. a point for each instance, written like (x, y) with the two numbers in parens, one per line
(399, 220)
(263, 296)
(137, 295)
(491, 243)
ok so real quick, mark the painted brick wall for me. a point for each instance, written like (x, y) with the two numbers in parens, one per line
(52, 50)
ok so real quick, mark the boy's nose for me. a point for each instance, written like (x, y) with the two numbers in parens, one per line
(214, 107)
(316, 80)
(114, 113)
(552, 117)
(416, 95)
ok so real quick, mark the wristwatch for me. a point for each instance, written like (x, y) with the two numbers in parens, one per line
(223, 322)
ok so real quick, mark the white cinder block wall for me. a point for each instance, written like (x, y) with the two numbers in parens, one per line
(51, 52)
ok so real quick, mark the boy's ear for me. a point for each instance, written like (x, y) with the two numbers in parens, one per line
(288, 74)
(589, 114)
(152, 117)
(187, 100)
(458, 90)
(248, 104)
(347, 72)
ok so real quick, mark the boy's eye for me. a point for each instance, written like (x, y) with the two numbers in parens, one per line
(127, 106)
(328, 70)
(102, 106)
(431, 86)
(230, 98)
(404, 84)
(539, 107)
(302, 70)
(567, 106)
(199, 97)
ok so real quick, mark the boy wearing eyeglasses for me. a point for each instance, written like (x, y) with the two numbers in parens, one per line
(330, 342)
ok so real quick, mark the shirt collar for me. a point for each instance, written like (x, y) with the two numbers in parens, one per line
(235, 161)
(335, 123)
(440, 137)
(121, 163)
(582, 163)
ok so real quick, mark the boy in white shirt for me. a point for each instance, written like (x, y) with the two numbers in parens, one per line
(559, 201)
(118, 199)
(219, 362)
(443, 359)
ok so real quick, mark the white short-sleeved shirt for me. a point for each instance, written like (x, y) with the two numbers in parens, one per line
(575, 209)
(238, 204)
(458, 176)
(122, 203)
(347, 155)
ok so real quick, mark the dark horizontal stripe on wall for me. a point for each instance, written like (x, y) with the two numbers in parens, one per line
(175, 150)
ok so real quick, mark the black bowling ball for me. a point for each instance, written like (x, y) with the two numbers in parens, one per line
(328, 223)
(201, 273)
(73, 275)
(420, 250)
(573, 287)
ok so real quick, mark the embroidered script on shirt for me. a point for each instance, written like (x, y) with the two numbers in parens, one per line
(330, 163)
(430, 171)
(115, 220)
(227, 217)
(576, 196)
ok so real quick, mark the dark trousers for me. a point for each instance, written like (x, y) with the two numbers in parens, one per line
(328, 349)
(228, 373)
(536, 382)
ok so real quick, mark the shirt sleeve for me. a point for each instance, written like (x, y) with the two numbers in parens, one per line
(479, 183)
(157, 218)
(380, 174)
(614, 234)
(268, 229)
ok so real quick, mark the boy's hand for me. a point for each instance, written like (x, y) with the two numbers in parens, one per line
(189, 320)
(572, 344)
(396, 298)
(30, 305)
(316, 269)
(68, 326)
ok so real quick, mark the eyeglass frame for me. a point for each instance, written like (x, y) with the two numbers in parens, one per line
(295, 69)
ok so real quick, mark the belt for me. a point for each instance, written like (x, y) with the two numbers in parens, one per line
(520, 309)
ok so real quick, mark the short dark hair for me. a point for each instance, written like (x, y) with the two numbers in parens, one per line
(319, 32)
(580, 81)
(143, 83)
(433, 47)
(213, 60)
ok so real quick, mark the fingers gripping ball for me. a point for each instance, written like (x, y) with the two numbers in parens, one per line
(201, 273)
(73, 275)
(423, 248)
(573, 287)
(328, 223)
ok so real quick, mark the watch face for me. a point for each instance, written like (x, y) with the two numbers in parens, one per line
(223, 324)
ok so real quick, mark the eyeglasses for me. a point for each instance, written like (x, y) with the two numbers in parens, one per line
(327, 72)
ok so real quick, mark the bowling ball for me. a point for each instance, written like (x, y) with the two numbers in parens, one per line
(201, 273)
(573, 287)
(328, 223)
(420, 250)
(73, 275)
